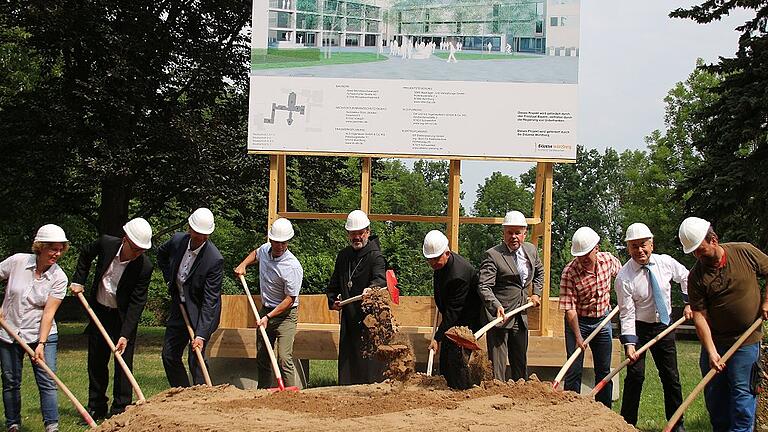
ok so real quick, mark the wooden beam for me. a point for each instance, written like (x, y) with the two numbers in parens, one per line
(454, 193)
(273, 187)
(413, 156)
(538, 230)
(365, 185)
(282, 183)
(493, 220)
(547, 248)
(373, 216)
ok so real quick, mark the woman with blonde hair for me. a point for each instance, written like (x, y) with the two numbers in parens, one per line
(36, 285)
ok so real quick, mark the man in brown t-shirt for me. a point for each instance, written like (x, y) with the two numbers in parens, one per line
(725, 297)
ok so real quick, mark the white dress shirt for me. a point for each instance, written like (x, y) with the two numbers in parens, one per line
(635, 295)
(25, 296)
(185, 267)
(107, 294)
(522, 264)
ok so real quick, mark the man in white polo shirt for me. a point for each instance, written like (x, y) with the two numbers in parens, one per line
(280, 277)
(644, 294)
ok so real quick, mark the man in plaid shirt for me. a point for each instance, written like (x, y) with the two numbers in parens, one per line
(585, 295)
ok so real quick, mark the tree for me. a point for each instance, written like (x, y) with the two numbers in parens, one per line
(729, 187)
(137, 109)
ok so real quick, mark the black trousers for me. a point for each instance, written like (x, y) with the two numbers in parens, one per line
(99, 356)
(175, 341)
(665, 356)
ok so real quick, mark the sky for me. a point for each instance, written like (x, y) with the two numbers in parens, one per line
(631, 55)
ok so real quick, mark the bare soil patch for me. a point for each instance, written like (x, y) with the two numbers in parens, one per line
(422, 403)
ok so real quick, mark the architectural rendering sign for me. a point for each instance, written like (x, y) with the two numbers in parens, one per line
(451, 78)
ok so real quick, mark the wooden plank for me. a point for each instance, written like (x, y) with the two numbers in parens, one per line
(493, 220)
(454, 194)
(313, 308)
(273, 186)
(415, 311)
(546, 254)
(282, 183)
(410, 156)
(374, 216)
(538, 197)
(365, 185)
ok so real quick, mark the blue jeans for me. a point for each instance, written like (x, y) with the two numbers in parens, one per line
(601, 355)
(730, 402)
(12, 359)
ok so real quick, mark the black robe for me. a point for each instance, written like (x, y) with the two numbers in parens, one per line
(365, 268)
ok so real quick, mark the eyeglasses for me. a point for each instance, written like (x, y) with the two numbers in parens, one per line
(133, 247)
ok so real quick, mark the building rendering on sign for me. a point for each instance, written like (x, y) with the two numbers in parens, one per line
(549, 27)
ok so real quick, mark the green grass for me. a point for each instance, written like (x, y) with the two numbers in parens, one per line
(479, 56)
(651, 416)
(150, 375)
(293, 58)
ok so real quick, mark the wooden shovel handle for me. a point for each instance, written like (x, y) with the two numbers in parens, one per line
(118, 356)
(431, 351)
(197, 351)
(576, 353)
(264, 336)
(78, 406)
(351, 300)
(711, 374)
(599, 386)
(508, 315)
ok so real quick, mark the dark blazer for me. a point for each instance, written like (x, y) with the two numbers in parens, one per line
(202, 290)
(456, 297)
(132, 288)
(500, 284)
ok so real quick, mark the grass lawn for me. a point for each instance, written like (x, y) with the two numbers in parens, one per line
(150, 375)
(479, 56)
(279, 59)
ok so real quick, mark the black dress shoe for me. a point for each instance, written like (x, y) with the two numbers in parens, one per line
(96, 415)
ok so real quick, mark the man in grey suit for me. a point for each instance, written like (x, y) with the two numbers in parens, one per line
(506, 275)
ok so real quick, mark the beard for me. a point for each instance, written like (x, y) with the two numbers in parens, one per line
(358, 244)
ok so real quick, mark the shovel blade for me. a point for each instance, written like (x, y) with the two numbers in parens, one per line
(462, 342)
(394, 292)
(278, 389)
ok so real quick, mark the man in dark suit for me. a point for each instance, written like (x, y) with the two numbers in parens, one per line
(506, 275)
(118, 296)
(192, 268)
(455, 288)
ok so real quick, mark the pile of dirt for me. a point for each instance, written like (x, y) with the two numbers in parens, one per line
(421, 403)
(379, 324)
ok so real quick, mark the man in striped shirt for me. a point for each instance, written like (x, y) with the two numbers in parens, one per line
(585, 295)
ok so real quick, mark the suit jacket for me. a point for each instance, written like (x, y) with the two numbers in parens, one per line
(132, 288)
(456, 297)
(202, 289)
(500, 284)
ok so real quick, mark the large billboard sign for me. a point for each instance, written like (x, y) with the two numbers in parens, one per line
(490, 79)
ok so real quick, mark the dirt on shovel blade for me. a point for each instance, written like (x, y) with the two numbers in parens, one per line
(465, 368)
(379, 325)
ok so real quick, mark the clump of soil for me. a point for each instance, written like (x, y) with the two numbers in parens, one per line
(462, 332)
(398, 356)
(379, 325)
(421, 403)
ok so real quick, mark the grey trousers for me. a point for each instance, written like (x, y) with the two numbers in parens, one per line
(283, 330)
(509, 345)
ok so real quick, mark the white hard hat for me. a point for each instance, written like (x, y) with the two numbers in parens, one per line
(281, 230)
(201, 221)
(514, 218)
(51, 233)
(638, 231)
(357, 220)
(692, 232)
(584, 240)
(435, 243)
(139, 231)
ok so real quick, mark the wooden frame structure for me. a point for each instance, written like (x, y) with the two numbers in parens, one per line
(540, 224)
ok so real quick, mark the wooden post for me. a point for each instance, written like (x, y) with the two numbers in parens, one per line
(454, 193)
(273, 187)
(546, 248)
(282, 183)
(365, 185)
(538, 230)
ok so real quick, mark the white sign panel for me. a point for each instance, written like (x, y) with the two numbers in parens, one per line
(452, 78)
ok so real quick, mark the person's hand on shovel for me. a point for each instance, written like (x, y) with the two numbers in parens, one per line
(39, 353)
(198, 343)
(536, 300)
(434, 346)
(714, 362)
(631, 354)
(121, 345)
(76, 288)
(263, 321)
(500, 314)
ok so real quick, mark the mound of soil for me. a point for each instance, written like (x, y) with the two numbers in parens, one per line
(422, 403)
(398, 357)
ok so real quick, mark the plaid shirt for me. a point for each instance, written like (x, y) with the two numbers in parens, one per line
(586, 292)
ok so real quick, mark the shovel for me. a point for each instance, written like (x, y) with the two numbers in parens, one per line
(576, 353)
(78, 406)
(394, 292)
(263, 331)
(197, 351)
(472, 343)
(431, 351)
(118, 356)
(599, 386)
(711, 374)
